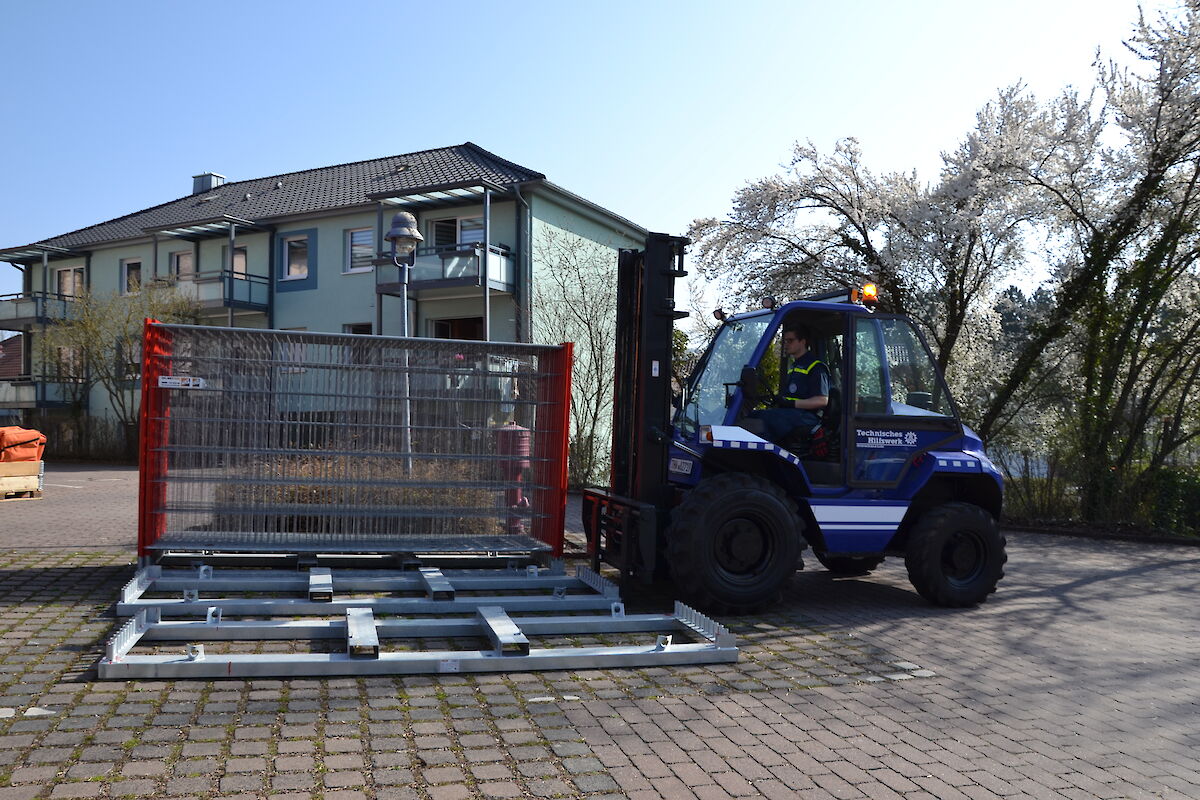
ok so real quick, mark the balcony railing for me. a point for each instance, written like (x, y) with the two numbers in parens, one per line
(226, 288)
(452, 265)
(28, 307)
(40, 392)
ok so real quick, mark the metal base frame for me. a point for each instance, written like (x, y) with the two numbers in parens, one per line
(362, 633)
(437, 591)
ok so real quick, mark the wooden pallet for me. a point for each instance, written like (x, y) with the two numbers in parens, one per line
(21, 480)
(30, 495)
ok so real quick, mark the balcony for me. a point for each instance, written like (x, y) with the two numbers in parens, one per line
(449, 267)
(40, 392)
(227, 289)
(29, 308)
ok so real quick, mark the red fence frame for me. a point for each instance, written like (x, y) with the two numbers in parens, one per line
(551, 446)
(152, 437)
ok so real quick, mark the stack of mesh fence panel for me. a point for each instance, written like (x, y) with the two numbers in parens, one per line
(293, 441)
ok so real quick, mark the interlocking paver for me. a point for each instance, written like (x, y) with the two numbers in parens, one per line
(1048, 690)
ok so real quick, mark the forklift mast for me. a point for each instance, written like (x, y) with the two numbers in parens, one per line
(642, 405)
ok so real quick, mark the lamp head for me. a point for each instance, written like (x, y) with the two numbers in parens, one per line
(404, 235)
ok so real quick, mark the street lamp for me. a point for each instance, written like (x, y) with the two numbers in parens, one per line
(404, 237)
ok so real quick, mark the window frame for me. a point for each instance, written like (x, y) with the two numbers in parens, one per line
(126, 263)
(431, 230)
(285, 263)
(58, 281)
(173, 262)
(348, 267)
(296, 283)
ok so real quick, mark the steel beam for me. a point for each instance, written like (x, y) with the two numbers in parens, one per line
(320, 585)
(502, 632)
(362, 639)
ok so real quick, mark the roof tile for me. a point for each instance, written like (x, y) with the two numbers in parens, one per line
(311, 190)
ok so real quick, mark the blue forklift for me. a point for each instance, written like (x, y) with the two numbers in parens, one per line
(699, 496)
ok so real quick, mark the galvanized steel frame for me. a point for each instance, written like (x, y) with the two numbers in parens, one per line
(508, 636)
(318, 589)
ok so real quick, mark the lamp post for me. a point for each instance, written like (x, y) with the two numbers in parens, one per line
(404, 237)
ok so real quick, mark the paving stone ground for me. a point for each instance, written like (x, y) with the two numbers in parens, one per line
(1080, 678)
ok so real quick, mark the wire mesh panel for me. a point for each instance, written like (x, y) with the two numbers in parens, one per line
(290, 441)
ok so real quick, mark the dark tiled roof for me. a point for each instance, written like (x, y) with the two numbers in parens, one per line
(311, 190)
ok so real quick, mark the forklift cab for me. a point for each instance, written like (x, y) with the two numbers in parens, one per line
(882, 375)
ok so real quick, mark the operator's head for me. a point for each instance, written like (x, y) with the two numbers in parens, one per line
(796, 340)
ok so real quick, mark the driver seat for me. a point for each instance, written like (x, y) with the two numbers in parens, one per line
(821, 443)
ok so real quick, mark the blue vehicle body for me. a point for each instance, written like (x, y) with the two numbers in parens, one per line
(894, 461)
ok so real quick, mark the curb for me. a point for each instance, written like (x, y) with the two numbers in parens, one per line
(1103, 536)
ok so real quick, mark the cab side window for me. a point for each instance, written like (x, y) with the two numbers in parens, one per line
(916, 389)
(869, 396)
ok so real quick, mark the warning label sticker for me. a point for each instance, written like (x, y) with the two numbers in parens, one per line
(180, 382)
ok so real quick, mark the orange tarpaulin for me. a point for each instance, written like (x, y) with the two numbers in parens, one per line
(21, 444)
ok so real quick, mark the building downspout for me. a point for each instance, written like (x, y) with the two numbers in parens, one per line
(522, 268)
(154, 258)
(229, 274)
(484, 271)
(271, 244)
(375, 272)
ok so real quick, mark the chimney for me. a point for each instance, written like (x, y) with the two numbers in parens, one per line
(206, 181)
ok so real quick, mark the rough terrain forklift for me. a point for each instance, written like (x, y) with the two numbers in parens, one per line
(700, 496)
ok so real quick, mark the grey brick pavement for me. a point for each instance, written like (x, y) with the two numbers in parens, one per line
(1079, 679)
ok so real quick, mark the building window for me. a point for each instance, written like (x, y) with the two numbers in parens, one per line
(358, 352)
(239, 261)
(69, 282)
(468, 328)
(360, 250)
(295, 258)
(457, 230)
(131, 275)
(291, 353)
(68, 364)
(183, 265)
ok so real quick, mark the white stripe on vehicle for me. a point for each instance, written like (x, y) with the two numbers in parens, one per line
(846, 513)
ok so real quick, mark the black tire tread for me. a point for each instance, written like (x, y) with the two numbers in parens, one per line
(694, 515)
(923, 556)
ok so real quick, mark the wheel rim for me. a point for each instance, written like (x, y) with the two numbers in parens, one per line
(743, 548)
(963, 557)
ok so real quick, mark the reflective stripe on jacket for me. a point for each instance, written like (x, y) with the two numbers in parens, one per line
(795, 369)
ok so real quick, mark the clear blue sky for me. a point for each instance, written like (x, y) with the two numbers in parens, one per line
(658, 111)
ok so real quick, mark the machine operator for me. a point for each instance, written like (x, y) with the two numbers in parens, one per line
(805, 390)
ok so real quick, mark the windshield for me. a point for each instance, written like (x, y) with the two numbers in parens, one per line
(731, 349)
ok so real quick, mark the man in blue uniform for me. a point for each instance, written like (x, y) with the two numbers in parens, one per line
(805, 390)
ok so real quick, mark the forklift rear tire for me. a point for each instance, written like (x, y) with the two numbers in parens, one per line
(848, 566)
(733, 542)
(955, 555)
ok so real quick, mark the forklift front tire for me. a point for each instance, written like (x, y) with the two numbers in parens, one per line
(955, 555)
(733, 542)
